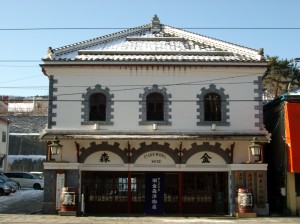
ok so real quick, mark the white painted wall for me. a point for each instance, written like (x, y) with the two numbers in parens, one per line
(184, 113)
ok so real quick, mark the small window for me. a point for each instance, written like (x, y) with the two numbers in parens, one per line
(212, 107)
(3, 136)
(97, 107)
(155, 107)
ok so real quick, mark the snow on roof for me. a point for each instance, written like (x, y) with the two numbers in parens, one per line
(20, 107)
(154, 42)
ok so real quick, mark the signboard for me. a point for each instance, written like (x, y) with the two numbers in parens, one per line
(260, 189)
(103, 158)
(60, 183)
(155, 158)
(205, 158)
(239, 180)
(154, 194)
(250, 181)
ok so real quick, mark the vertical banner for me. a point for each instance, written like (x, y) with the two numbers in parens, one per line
(154, 193)
(250, 181)
(260, 189)
(60, 183)
(239, 180)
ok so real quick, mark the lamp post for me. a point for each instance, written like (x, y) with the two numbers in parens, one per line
(255, 150)
(56, 147)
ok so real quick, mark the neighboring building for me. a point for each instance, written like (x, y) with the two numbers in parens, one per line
(3, 104)
(155, 120)
(281, 117)
(32, 105)
(4, 131)
(26, 152)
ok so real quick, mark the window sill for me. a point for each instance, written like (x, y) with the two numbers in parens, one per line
(164, 123)
(97, 122)
(209, 123)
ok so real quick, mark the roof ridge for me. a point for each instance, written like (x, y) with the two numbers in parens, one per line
(94, 41)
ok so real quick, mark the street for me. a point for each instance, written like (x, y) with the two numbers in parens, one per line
(25, 206)
(24, 201)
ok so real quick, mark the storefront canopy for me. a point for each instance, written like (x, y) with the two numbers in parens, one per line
(101, 135)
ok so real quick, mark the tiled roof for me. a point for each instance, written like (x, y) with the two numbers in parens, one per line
(26, 124)
(153, 42)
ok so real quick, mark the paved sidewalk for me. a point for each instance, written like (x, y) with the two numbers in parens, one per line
(55, 219)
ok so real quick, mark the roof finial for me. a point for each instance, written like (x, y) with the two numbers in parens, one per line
(155, 24)
(49, 53)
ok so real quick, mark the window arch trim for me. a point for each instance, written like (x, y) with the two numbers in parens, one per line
(86, 106)
(224, 106)
(166, 106)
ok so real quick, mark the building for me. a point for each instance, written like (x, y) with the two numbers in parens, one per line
(4, 130)
(29, 105)
(26, 151)
(155, 120)
(282, 154)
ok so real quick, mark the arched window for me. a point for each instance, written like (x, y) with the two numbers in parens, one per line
(97, 107)
(212, 107)
(155, 107)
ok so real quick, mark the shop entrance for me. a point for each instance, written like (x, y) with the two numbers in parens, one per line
(187, 193)
(205, 193)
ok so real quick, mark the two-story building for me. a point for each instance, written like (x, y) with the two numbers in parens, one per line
(155, 120)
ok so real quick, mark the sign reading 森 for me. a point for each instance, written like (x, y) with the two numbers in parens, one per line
(103, 158)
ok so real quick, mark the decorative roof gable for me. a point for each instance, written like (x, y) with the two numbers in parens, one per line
(153, 42)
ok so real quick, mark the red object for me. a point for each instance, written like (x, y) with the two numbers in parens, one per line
(292, 130)
(245, 201)
(68, 199)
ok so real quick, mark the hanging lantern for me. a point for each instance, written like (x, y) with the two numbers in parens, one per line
(55, 146)
(255, 148)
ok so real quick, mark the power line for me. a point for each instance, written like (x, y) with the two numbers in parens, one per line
(21, 60)
(122, 28)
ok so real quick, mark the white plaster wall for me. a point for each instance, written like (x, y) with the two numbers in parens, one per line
(184, 97)
(240, 153)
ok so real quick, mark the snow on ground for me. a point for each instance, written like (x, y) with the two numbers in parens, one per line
(24, 201)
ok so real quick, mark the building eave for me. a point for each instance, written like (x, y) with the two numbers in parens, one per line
(159, 63)
(47, 135)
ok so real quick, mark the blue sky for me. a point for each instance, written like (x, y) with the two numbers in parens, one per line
(26, 78)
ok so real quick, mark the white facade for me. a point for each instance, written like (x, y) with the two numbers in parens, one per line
(182, 83)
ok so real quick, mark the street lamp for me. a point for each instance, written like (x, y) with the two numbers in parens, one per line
(255, 150)
(56, 147)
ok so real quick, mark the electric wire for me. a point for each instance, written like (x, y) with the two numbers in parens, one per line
(126, 28)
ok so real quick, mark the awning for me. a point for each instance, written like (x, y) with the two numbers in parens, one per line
(292, 135)
(127, 135)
